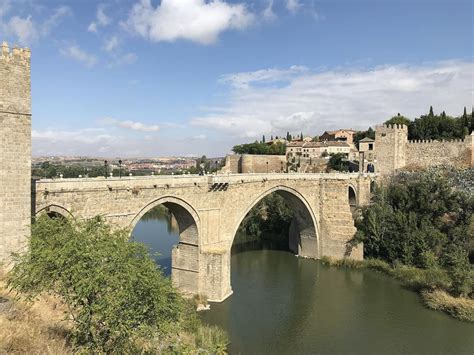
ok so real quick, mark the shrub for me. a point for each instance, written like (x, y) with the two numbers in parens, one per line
(114, 291)
(458, 307)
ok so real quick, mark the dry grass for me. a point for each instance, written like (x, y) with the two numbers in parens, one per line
(36, 328)
(458, 307)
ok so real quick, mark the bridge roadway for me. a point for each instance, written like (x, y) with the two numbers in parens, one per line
(209, 210)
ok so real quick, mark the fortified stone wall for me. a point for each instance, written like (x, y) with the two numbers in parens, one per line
(429, 153)
(390, 148)
(15, 150)
(251, 163)
(254, 163)
(393, 151)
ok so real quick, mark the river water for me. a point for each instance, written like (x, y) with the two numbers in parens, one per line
(283, 304)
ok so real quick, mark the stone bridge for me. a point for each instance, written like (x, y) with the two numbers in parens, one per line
(209, 210)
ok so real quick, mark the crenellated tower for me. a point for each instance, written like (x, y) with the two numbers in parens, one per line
(390, 148)
(15, 150)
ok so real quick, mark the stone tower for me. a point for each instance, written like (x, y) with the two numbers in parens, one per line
(390, 148)
(15, 150)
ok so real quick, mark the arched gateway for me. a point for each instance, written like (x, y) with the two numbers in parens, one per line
(209, 210)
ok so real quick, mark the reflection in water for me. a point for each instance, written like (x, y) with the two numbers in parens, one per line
(283, 304)
(158, 229)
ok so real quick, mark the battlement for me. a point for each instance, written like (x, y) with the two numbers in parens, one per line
(434, 141)
(15, 55)
(391, 127)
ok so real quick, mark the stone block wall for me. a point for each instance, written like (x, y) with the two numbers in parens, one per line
(251, 163)
(254, 163)
(393, 151)
(390, 148)
(15, 150)
(428, 153)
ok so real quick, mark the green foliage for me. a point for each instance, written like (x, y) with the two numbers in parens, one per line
(114, 292)
(338, 161)
(399, 119)
(438, 127)
(421, 220)
(270, 216)
(260, 148)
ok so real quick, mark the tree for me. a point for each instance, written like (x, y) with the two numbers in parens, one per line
(431, 114)
(398, 119)
(337, 162)
(113, 290)
(263, 139)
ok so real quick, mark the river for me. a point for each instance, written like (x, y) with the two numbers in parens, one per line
(283, 304)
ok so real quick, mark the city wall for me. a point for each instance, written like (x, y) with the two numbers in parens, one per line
(428, 153)
(394, 152)
(254, 163)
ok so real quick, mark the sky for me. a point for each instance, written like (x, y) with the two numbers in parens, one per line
(148, 78)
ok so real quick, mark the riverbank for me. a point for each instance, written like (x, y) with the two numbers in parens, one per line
(431, 284)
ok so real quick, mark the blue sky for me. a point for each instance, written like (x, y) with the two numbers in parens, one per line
(190, 77)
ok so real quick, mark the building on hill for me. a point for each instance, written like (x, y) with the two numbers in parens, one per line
(309, 154)
(345, 135)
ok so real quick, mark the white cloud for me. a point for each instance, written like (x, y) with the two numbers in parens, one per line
(195, 20)
(75, 52)
(131, 125)
(101, 19)
(267, 13)
(273, 75)
(92, 27)
(25, 29)
(111, 44)
(293, 5)
(317, 101)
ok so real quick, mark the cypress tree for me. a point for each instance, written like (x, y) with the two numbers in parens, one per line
(431, 111)
(263, 139)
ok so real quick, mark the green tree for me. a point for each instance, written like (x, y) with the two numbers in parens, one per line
(431, 114)
(112, 288)
(263, 139)
(338, 162)
(398, 119)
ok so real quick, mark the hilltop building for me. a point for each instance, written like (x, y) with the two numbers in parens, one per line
(345, 135)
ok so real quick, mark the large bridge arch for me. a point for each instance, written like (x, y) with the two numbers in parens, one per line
(185, 257)
(304, 234)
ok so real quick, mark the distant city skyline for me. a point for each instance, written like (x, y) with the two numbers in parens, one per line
(192, 77)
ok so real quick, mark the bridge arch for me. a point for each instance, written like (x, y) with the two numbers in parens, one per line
(352, 196)
(54, 210)
(304, 233)
(185, 257)
(182, 210)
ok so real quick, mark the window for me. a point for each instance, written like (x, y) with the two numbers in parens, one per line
(371, 146)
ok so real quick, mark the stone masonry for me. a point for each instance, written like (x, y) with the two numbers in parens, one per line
(209, 210)
(15, 150)
(393, 151)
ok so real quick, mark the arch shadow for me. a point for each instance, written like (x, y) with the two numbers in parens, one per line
(55, 211)
(304, 233)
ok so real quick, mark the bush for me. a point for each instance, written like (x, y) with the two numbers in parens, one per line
(458, 307)
(114, 292)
